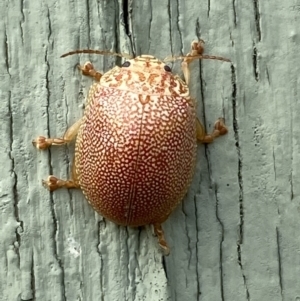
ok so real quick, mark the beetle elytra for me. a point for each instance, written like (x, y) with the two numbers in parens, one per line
(136, 143)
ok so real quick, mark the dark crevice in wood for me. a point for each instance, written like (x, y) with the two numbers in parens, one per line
(268, 76)
(116, 32)
(134, 263)
(274, 164)
(53, 214)
(140, 230)
(279, 262)
(164, 265)
(214, 187)
(32, 275)
(170, 26)
(126, 258)
(88, 23)
(101, 225)
(187, 233)
(6, 51)
(240, 178)
(255, 65)
(15, 177)
(257, 18)
(208, 8)
(221, 243)
(126, 21)
(198, 33)
(197, 242)
(22, 21)
(49, 26)
(234, 13)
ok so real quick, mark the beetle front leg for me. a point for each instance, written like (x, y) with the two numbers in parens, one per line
(89, 70)
(219, 130)
(42, 142)
(197, 48)
(161, 239)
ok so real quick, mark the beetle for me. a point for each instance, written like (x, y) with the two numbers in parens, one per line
(136, 143)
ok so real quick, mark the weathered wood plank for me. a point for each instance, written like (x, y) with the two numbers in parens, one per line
(236, 235)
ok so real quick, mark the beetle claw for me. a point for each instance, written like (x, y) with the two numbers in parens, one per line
(89, 70)
(40, 142)
(220, 126)
(51, 183)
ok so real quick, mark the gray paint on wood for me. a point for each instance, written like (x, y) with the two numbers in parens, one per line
(235, 236)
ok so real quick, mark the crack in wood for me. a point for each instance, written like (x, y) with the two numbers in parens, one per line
(240, 178)
(255, 63)
(234, 13)
(32, 275)
(6, 51)
(279, 262)
(221, 243)
(89, 25)
(16, 199)
(125, 7)
(257, 18)
(52, 205)
(197, 242)
(101, 224)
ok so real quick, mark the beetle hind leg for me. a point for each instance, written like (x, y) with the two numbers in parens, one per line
(52, 183)
(161, 239)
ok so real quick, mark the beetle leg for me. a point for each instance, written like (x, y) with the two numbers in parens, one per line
(197, 48)
(89, 70)
(219, 130)
(53, 183)
(42, 142)
(161, 239)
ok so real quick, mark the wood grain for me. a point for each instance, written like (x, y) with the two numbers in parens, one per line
(236, 235)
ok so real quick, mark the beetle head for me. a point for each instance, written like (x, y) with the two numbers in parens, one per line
(145, 75)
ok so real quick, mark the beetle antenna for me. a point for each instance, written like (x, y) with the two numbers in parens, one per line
(91, 51)
(193, 57)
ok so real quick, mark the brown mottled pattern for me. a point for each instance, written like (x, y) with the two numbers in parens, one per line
(134, 160)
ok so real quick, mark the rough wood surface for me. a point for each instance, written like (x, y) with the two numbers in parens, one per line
(236, 235)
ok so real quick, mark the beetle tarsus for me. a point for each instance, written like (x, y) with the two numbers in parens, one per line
(42, 142)
(220, 129)
(53, 183)
(89, 70)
